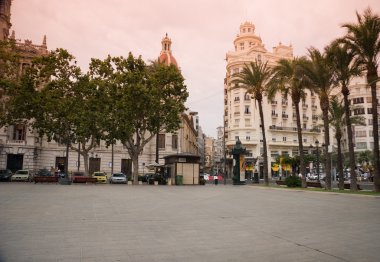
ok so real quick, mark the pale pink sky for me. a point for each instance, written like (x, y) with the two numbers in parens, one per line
(202, 31)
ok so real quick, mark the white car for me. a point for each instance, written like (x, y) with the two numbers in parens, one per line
(21, 175)
(118, 178)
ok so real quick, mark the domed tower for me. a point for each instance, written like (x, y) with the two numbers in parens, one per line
(166, 52)
(247, 39)
(5, 18)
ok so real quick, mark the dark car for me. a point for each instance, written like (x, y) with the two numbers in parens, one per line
(5, 175)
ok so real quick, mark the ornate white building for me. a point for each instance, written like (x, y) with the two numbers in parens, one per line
(241, 114)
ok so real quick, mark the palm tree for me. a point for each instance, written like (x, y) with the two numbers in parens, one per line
(363, 38)
(289, 79)
(345, 68)
(254, 78)
(321, 81)
(338, 120)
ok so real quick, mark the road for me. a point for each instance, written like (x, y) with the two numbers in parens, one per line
(49, 222)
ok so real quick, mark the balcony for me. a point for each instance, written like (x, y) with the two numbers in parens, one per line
(236, 113)
(314, 107)
(273, 102)
(305, 106)
(305, 118)
(284, 103)
(16, 142)
(314, 118)
(293, 129)
(285, 116)
(274, 115)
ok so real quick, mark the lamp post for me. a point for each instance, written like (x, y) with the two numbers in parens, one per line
(316, 144)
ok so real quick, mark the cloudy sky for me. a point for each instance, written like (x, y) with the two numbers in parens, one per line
(202, 31)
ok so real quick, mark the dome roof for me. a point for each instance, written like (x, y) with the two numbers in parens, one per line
(168, 59)
(166, 52)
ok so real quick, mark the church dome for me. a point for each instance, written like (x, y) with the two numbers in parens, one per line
(166, 52)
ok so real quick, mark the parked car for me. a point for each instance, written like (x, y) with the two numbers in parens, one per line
(77, 177)
(5, 175)
(118, 178)
(21, 175)
(100, 176)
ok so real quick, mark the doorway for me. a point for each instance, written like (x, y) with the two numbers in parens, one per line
(15, 162)
(94, 165)
(126, 167)
(60, 163)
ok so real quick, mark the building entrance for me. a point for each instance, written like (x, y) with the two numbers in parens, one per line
(15, 162)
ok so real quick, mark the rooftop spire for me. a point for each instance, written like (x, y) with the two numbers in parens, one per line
(44, 41)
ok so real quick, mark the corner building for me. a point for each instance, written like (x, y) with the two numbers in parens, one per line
(241, 113)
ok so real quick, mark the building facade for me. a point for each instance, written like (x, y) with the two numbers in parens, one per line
(241, 114)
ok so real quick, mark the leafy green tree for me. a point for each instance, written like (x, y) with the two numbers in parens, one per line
(289, 78)
(345, 67)
(146, 100)
(319, 74)
(47, 98)
(363, 38)
(255, 78)
(9, 64)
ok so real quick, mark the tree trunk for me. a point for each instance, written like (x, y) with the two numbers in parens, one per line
(300, 144)
(67, 159)
(346, 92)
(85, 161)
(371, 80)
(135, 162)
(340, 161)
(266, 178)
(327, 142)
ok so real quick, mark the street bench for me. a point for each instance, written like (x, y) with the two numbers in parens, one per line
(84, 179)
(280, 182)
(45, 179)
(313, 184)
(348, 186)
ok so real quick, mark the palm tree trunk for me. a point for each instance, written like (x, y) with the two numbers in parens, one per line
(340, 161)
(266, 179)
(371, 79)
(346, 92)
(327, 142)
(300, 145)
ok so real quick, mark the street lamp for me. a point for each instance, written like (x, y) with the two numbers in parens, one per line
(316, 144)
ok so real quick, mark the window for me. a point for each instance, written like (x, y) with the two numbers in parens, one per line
(274, 154)
(370, 122)
(284, 138)
(241, 46)
(174, 141)
(161, 141)
(237, 98)
(259, 58)
(247, 97)
(358, 100)
(285, 153)
(19, 132)
(246, 110)
(359, 111)
(360, 133)
(247, 138)
(361, 145)
(236, 138)
(247, 122)
(369, 111)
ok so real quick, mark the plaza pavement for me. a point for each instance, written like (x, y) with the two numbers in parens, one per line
(49, 222)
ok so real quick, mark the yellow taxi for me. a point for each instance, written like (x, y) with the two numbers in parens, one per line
(100, 176)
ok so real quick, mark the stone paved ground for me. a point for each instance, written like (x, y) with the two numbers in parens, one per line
(48, 222)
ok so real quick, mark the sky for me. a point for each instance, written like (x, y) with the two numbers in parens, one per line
(202, 32)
